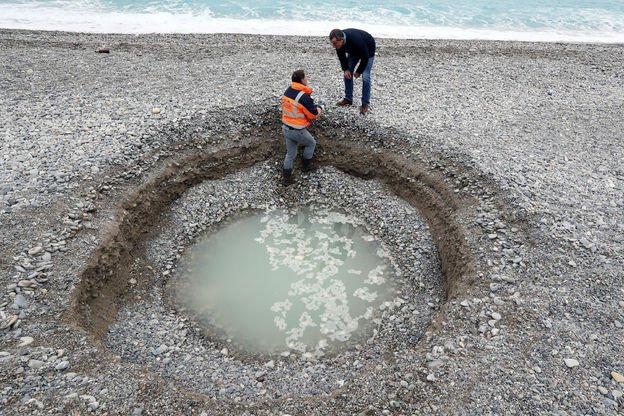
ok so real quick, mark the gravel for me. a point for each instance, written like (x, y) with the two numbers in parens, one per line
(525, 136)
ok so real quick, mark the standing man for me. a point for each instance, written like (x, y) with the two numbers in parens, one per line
(298, 110)
(353, 46)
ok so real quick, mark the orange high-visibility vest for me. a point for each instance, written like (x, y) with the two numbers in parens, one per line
(295, 114)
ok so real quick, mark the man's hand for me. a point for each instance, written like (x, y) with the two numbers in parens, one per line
(356, 74)
(348, 74)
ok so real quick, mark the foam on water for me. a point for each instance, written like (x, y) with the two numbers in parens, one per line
(559, 20)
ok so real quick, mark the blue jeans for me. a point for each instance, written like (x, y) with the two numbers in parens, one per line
(367, 81)
(294, 138)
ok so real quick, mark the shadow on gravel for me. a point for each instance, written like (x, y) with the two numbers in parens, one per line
(105, 280)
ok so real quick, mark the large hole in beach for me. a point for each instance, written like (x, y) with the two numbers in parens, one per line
(386, 252)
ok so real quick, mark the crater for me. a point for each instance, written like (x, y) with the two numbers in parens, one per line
(309, 280)
(129, 300)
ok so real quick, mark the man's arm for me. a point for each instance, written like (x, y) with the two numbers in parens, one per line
(310, 110)
(342, 57)
(363, 54)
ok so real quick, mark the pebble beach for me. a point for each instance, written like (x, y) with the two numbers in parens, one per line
(491, 171)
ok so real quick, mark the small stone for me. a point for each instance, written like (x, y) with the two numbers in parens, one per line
(224, 351)
(35, 250)
(88, 398)
(35, 364)
(496, 316)
(155, 110)
(617, 377)
(5, 356)
(610, 402)
(24, 341)
(161, 349)
(586, 243)
(9, 322)
(63, 365)
(617, 394)
(571, 362)
(36, 403)
(603, 390)
(20, 302)
(434, 363)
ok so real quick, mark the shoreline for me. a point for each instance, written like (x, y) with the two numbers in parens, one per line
(523, 138)
(558, 41)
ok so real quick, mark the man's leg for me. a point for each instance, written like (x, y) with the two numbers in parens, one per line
(290, 137)
(307, 140)
(291, 154)
(367, 82)
(348, 83)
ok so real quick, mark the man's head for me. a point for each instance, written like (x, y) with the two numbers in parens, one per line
(336, 38)
(299, 76)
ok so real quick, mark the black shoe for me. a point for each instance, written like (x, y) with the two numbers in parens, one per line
(343, 102)
(364, 109)
(306, 165)
(287, 177)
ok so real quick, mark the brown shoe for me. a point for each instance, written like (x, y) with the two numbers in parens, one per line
(343, 102)
(364, 109)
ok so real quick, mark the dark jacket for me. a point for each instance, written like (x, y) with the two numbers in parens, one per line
(359, 45)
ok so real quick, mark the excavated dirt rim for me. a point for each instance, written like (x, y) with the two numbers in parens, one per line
(104, 282)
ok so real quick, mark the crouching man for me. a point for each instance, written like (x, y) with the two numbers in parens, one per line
(298, 110)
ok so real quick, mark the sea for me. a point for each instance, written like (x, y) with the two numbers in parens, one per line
(524, 20)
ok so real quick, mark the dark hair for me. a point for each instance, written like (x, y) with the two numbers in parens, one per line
(336, 33)
(298, 76)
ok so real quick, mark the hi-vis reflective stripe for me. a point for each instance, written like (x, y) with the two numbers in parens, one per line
(294, 113)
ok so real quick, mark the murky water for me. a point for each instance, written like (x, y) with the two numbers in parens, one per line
(308, 281)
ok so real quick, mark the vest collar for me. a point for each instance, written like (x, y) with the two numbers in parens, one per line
(301, 87)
